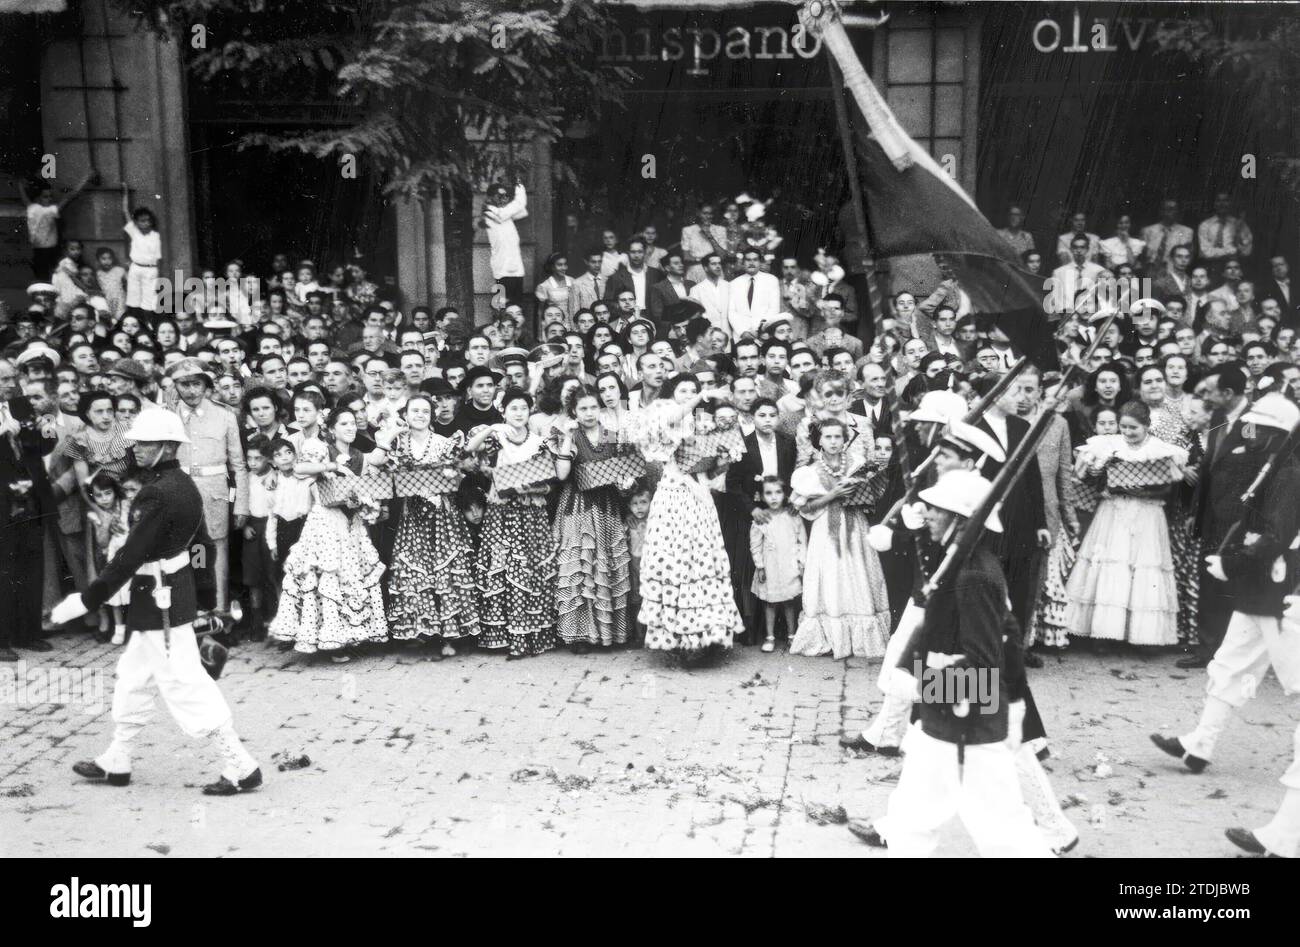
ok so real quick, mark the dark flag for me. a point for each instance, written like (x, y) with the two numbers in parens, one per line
(915, 207)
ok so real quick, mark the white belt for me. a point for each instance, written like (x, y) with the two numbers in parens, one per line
(937, 659)
(211, 470)
(168, 566)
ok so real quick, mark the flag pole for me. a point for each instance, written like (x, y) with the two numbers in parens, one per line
(824, 18)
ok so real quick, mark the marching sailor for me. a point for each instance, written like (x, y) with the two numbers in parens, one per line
(961, 447)
(162, 650)
(958, 758)
(1261, 563)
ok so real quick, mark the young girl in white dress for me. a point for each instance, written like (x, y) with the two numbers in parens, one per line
(845, 603)
(1122, 587)
(777, 547)
(331, 598)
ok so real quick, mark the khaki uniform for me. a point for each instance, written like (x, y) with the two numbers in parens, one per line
(213, 454)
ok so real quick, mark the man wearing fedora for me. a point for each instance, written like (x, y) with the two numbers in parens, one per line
(213, 457)
(129, 377)
(162, 648)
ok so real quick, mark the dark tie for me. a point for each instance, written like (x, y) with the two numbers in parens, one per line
(750, 294)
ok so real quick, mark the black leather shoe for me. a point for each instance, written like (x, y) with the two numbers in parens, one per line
(860, 744)
(1032, 660)
(8, 654)
(1174, 747)
(866, 832)
(90, 770)
(1245, 840)
(37, 644)
(1191, 662)
(224, 787)
(1066, 848)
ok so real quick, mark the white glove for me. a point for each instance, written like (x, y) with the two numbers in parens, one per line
(1015, 724)
(70, 609)
(1292, 609)
(913, 516)
(881, 537)
(1214, 566)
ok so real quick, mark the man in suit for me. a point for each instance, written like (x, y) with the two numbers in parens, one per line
(1197, 297)
(754, 296)
(1224, 474)
(636, 276)
(590, 286)
(673, 288)
(26, 500)
(713, 292)
(1280, 287)
(1024, 510)
(768, 452)
(872, 404)
(1174, 280)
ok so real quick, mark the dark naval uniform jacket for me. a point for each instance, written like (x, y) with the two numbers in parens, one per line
(166, 521)
(969, 615)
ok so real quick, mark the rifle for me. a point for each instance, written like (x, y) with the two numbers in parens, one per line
(1263, 480)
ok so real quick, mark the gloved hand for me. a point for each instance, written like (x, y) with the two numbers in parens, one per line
(1015, 724)
(881, 537)
(1214, 566)
(913, 516)
(1292, 607)
(70, 609)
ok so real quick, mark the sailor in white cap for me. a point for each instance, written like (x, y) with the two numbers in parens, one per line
(162, 649)
(960, 757)
(962, 447)
(214, 458)
(1262, 560)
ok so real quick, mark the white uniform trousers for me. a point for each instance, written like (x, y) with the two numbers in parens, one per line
(191, 696)
(1250, 646)
(984, 793)
(900, 688)
(141, 287)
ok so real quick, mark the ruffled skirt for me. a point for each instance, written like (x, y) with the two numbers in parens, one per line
(1186, 550)
(687, 603)
(431, 584)
(845, 602)
(1049, 625)
(594, 576)
(331, 595)
(1123, 587)
(516, 578)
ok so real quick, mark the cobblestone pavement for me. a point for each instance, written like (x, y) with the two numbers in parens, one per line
(605, 754)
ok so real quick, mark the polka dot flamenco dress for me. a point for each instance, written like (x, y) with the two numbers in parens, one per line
(431, 590)
(687, 604)
(594, 576)
(515, 569)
